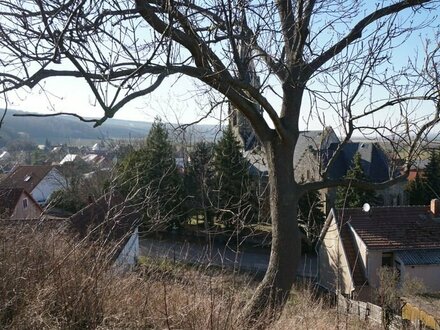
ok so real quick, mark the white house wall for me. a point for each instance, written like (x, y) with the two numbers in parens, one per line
(130, 253)
(52, 182)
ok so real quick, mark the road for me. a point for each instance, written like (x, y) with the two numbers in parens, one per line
(219, 255)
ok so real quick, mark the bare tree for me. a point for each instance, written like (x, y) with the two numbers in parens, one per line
(315, 60)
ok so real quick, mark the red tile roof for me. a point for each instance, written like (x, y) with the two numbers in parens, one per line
(26, 177)
(394, 228)
(8, 200)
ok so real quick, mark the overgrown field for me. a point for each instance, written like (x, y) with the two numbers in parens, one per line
(49, 280)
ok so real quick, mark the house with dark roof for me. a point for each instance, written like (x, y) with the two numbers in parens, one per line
(18, 204)
(313, 151)
(355, 244)
(112, 222)
(38, 180)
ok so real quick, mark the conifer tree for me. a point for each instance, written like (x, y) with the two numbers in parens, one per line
(150, 175)
(431, 179)
(353, 196)
(232, 189)
(427, 186)
(198, 180)
(416, 191)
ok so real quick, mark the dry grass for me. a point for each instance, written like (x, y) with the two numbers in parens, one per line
(49, 280)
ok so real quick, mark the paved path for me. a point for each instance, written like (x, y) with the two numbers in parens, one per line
(219, 255)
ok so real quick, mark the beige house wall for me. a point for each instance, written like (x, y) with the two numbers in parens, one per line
(362, 251)
(31, 212)
(428, 274)
(334, 272)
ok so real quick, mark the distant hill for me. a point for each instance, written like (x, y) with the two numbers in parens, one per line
(67, 129)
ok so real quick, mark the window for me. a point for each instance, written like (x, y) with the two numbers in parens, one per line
(387, 259)
(25, 203)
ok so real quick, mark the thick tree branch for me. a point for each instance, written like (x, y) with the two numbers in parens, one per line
(356, 32)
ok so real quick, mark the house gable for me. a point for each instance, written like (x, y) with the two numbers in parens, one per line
(334, 269)
(38, 180)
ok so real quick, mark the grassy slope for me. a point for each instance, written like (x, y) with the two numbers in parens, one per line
(50, 280)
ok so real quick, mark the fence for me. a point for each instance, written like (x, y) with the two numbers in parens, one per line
(368, 312)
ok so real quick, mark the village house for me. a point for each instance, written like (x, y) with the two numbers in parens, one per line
(356, 243)
(110, 222)
(38, 180)
(17, 203)
(313, 151)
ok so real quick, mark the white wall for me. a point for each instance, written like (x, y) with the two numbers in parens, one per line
(52, 182)
(130, 253)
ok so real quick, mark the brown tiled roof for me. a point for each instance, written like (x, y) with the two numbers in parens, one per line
(109, 218)
(9, 198)
(394, 228)
(26, 177)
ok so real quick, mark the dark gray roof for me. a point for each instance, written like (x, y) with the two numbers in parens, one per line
(419, 257)
(373, 160)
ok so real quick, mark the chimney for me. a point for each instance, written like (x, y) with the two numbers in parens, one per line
(435, 207)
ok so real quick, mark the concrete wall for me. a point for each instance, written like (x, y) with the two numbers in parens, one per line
(394, 195)
(374, 263)
(428, 274)
(334, 272)
(31, 212)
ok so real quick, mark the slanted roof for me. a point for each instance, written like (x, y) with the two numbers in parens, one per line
(26, 176)
(70, 158)
(9, 197)
(394, 228)
(373, 161)
(109, 218)
(419, 257)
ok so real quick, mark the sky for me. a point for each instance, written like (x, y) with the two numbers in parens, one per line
(174, 101)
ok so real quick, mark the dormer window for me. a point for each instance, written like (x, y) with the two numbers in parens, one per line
(27, 178)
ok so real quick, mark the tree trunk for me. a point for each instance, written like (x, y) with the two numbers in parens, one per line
(273, 291)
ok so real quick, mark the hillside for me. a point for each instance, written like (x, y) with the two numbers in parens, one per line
(66, 129)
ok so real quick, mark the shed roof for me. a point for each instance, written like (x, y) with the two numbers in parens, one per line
(419, 257)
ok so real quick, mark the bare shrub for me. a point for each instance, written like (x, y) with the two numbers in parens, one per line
(50, 280)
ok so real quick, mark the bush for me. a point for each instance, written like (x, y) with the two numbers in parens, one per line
(51, 280)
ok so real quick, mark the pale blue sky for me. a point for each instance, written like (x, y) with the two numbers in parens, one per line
(173, 101)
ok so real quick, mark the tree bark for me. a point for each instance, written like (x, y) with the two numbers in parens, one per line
(273, 291)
